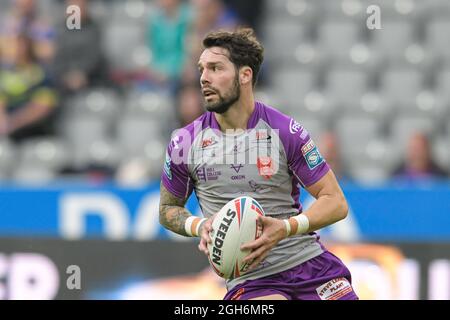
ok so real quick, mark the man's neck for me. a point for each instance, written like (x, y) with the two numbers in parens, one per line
(237, 116)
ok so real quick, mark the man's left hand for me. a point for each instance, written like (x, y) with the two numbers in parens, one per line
(274, 230)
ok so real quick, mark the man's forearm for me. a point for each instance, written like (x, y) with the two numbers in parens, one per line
(325, 211)
(174, 218)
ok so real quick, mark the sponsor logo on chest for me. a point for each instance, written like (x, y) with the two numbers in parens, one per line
(237, 168)
(208, 142)
(208, 174)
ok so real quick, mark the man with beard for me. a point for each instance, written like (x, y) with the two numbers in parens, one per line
(242, 147)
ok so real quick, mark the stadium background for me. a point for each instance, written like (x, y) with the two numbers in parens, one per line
(84, 191)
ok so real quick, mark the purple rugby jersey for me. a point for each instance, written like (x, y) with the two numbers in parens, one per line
(268, 161)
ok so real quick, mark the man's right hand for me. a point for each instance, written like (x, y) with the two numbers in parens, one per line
(205, 229)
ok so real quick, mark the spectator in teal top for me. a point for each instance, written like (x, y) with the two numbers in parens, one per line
(168, 30)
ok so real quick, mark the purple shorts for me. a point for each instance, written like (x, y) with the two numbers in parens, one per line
(324, 277)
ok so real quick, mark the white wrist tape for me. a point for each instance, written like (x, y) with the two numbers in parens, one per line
(192, 225)
(288, 227)
(302, 223)
(197, 228)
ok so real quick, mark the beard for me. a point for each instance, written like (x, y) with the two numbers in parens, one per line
(226, 100)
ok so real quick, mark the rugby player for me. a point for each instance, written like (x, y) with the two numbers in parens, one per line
(243, 147)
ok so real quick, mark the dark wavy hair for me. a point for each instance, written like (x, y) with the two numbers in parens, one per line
(242, 45)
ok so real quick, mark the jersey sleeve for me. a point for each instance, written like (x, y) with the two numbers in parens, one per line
(175, 176)
(303, 156)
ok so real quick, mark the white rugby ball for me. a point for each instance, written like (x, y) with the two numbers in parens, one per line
(234, 225)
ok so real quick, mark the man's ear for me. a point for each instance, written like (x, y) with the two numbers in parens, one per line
(245, 75)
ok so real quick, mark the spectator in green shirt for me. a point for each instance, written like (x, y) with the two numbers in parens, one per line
(27, 99)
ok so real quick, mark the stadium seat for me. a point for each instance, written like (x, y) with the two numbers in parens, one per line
(372, 104)
(97, 103)
(316, 104)
(377, 152)
(369, 175)
(441, 151)
(151, 104)
(306, 55)
(396, 9)
(343, 9)
(438, 7)
(133, 10)
(346, 87)
(149, 158)
(287, 35)
(33, 175)
(437, 39)
(442, 91)
(337, 38)
(48, 154)
(96, 152)
(305, 10)
(8, 158)
(403, 127)
(393, 39)
(315, 127)
(401, 86)
(443, 82)
(356, 132)
(83, 129)
(50, 9)
(380, 152)
(294, 84)
(271, 98)
(124, 54)
(133, 133)
(448, 129)
(4, 6)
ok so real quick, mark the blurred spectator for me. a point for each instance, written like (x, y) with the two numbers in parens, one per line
(27, 98)
(190, 104)
(209, 15)
(419, 164)
(167, 35)
(213, 15)
(23, 18)
(248, 11)
(79, 59)
(329, 148)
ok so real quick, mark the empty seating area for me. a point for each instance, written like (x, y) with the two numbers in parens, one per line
(323, 66)
(372, 88)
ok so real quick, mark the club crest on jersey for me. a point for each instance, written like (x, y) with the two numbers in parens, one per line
(208, 142)
(294, 126)
(265, 167)
(167, 170)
